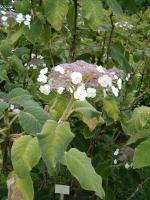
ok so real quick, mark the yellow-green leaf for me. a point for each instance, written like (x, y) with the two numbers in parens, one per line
(81, 168)
(111, 108)
(25, 154)
(142, 155)
(19, 188)
(55, 12)
(54, 140)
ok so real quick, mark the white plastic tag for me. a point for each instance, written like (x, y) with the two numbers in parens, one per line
(62, 189)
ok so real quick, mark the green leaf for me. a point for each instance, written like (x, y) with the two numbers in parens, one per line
(71, 16)
(20, 188)
(17, 65)
(5, 48)
(111, 108)
(23, 6)
(3, 72)
(120, 58)
(32, 118)
(19, 96)
(25, 154)
(81, 168)
(55, 12)
(57, 105)
(34, 33)
(87, 113)
(3, 105)
(92, 12)
(54, 140)
(142, 155)
(15, 36)
(115, 6)
(136, 127)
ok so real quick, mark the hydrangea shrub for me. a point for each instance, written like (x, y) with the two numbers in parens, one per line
(72, 81)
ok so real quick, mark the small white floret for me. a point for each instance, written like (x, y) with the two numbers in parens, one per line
(119, 83)
(100, 69)
(40, 57)
(116, 152)
(105, 81)
(27, 23)
(115, 91)
(91, 92)
(76, 77)
(127, 166)
(20, 18)
(33, 55)
(59, 69)
(44, 71)
(4, 18)
(60, 90)
(28, 18)
(45, 89)
(80, 93)
(115, 161)
(42, 78)
(11, 107)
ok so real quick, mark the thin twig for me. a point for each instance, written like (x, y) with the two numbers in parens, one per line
(68, 110)
(74, 34)
(110, 37)
(138, 188)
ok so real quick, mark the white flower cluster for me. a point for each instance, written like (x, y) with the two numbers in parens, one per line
(34, 63)
(124, 25)
(80, 81)
(19, 18)
(107, 82)
(81, 93)
(42, 78)
(126, 164)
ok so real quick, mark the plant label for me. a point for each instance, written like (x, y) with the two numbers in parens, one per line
(62, 189)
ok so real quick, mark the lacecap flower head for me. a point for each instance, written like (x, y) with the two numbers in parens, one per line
(83, 80)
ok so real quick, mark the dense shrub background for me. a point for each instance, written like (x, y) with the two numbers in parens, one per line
(94, 39)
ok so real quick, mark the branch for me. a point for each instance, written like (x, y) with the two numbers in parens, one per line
(74, 34)
(138, 188)
(110, 37)
(68, 110)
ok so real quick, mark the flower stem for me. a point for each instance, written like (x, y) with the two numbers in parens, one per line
(68, 110)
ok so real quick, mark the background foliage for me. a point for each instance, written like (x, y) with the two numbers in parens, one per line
(65, 31)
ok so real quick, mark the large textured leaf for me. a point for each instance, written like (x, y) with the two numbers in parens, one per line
(80, 167)
(15, 36)
(92, 12)
(87, 113)
(115, 6)
(137, 126)
(53, 140)
(3, 105)
(34, 33)
(33, 118)
(142, 155)
(25, 154)
(5, 48)
(120, 58)
(19, 96)
(20, 188)
(17, 65)
(55, 12)
(111, 108)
